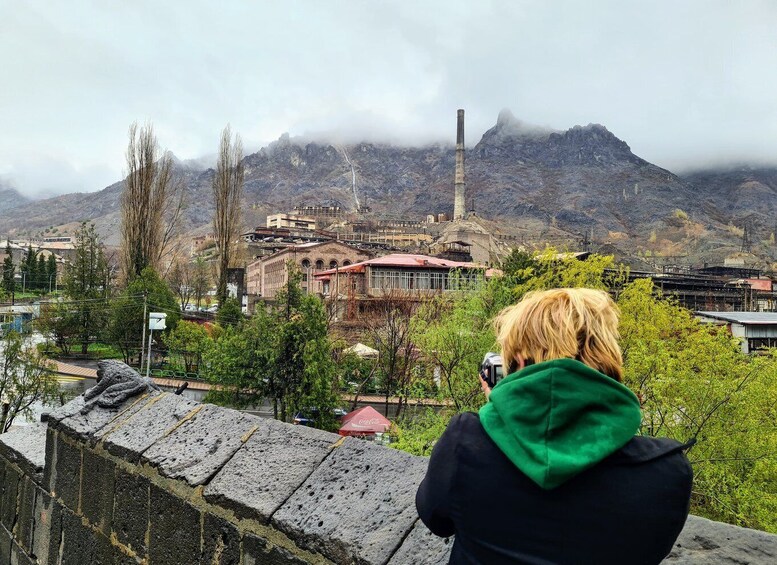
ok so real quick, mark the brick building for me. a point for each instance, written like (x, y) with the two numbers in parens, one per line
(267, 275)
(409, 278)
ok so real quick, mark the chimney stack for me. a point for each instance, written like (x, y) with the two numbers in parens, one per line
(459, 201)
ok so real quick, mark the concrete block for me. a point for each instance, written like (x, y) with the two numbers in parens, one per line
(3, 465)
(86, 426)
(174, 530)
(46, 526)
(6, 541)
(271, 465)
(26, 446)
(131, 510)
(256, 551)
(19, 556)
(136, 433)
(11, 481)
(24, 518)
(80, 545)
(51, 458)
(66, 474)
(72, 408)
(200, 446)
(422, 547)
(97, 492)
(357, 505)
(704, 542)
(221, 542)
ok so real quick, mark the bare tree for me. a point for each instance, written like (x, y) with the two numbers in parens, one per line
(151, 203)
(227, 193)
(388, 326)
(201, 277)
(180, 279)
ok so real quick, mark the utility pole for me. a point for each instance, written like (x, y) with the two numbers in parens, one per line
(143, 339)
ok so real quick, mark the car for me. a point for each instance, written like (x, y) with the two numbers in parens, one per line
(308, 416)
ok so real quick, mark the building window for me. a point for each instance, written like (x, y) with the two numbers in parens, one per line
(319, 265)
(305, 264)
(346, 263)
(332, 264)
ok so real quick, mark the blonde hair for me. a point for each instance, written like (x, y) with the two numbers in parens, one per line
(576, 323)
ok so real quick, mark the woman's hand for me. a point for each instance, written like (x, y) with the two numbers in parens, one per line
(485, 387)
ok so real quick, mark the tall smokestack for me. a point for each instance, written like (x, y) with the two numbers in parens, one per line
(459, 201)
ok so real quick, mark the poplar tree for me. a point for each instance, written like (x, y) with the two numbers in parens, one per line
(227, 194)
(151, 203)
(8, 269)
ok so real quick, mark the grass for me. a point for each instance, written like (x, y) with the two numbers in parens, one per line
(94, 351)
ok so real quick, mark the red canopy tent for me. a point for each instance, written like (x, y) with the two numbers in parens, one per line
(365, 421)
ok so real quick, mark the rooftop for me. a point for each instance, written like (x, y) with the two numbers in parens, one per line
(403, 260)
(748, 318)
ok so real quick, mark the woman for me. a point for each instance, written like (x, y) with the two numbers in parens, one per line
(550, 470)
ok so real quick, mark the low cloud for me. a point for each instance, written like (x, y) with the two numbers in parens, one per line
(681, 90)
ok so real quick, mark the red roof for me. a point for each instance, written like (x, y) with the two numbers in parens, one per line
(402, 260)
(363, 421)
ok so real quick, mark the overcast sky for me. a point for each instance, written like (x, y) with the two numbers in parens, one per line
(683, 83)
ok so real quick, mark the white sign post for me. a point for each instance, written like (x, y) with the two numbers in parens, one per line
(156, 321)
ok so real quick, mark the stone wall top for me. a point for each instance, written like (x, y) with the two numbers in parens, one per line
(26, 446)
(247, 484)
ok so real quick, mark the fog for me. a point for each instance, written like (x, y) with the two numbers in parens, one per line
(684, 84)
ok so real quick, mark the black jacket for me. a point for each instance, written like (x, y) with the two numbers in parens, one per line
(628, 509)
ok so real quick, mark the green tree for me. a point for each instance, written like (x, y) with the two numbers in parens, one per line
(60, 324)
(520, 265)
(30, 269)
(42, 279)
(25, 379)
(419, 433)
(694, 382)
(454, 334)
(86, 286)
(283, 354)
(560, 270)
(51, 271)
(240, 361)
(9, 270)
(230, 313)
(125, 327)
(190, 341)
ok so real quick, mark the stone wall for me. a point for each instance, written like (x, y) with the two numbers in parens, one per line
(141, 476)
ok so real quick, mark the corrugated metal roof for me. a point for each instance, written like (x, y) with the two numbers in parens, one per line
(752, 318)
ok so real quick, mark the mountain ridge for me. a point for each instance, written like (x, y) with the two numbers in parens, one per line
(528, 178)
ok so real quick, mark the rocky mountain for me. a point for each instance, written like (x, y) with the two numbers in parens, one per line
(10, 198)
(533, 182)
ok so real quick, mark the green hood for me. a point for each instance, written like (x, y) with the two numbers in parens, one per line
(556, 419)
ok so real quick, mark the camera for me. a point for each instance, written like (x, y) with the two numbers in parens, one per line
(491, 369)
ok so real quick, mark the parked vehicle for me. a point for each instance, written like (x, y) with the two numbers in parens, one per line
(308, 416)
